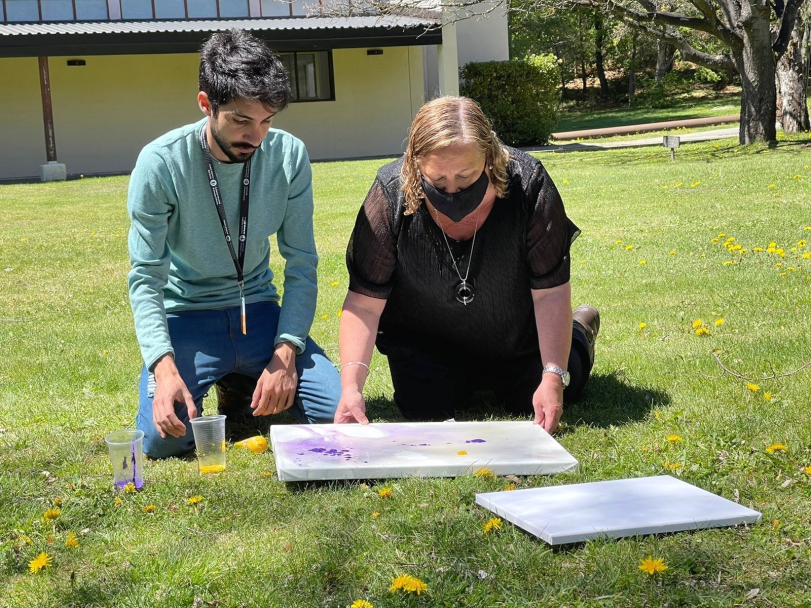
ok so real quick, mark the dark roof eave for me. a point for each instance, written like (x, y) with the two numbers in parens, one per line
(138, 43)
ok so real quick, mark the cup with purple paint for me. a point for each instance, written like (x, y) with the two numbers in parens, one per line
(127, 457)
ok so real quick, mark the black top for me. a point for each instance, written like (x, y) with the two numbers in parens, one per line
(523, 244)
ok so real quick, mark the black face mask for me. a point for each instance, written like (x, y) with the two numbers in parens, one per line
(460, 204)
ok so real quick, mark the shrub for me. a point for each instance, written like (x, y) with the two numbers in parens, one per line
(520, 97)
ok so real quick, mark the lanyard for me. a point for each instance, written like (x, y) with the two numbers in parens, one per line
(244, 203)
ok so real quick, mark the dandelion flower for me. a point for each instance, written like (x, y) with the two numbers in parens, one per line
(672, 252)
(619, 241)
(695, 184)
(643, 262)
(195, 499)
(149, 508)
(267, 473)
(485, 473)
(408, 584)
(752, 387)
(384, 493)
(361, 604)
(57, 502)
(758, 249)
(807, 470)
(375, 514)
(801, 243)
(674, 439)
(565, 181)
(130, 488)
(643, 325)
(652, 566)
(673, 466)
(772, 186)
(776, 447)
(721, 235)
(334, 283)
(325, 316)
(118, 501)
(509, 487)
(340, 313)
(719, 322)
(767, 396)
(697, 323)
(494, 523)
(629, 247)
(51, 514)
(702, 331)
(43, 560)
(806, 255)
(71, 542)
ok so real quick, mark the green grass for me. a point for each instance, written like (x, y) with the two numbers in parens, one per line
(70, 365)
(575, 119)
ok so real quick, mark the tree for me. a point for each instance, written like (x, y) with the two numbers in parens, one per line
(792, 79)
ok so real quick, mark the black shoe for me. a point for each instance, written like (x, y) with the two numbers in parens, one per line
(585, 327)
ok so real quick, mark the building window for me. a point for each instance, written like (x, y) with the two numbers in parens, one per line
(22, 10)
(91, 9)
(310, 75)
(176, 9)
(136, 9)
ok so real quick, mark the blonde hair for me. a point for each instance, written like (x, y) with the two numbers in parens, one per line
(443, 122)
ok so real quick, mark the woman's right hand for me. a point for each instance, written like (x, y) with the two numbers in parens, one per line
(351, 408)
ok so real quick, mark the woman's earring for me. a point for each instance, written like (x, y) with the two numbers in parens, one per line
(491, 167)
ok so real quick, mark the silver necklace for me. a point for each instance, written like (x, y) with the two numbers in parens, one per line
(464, 290)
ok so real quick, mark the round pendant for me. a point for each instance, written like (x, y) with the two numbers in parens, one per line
(464, 292)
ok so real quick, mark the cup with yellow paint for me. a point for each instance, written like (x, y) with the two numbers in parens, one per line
(209, 441)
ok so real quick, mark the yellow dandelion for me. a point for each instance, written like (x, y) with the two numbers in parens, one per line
(702, 331)
(758, 249)
(697, 323)
(719, 322)
(672, 252)
(629, 247)
(801, 243)
(461, 453)
(509, 487)
(325, 316)
(674, 439)
(767, 396)
(43, 560)
(375, 514)
(130, 488)
(643, 262)
(806, 255)
(565, 181)
(721, 235)
(807, 470)
(643, 325)
(384, 493)
(195, 499)
(57, 502)
(494, 523)
(652, 566)
(485, 473)
(52, 514)
(118, 501)
(673, 466)
(71, 542)
(24, 239)
(772, 186)
(408, 584)
(796, 176)
(713, 240)
(776, 447)
(340, 313)
(752, 387)
(361, 604)
(334, 283)
(618, 241)
(693, 185)
(267, 473)
(149, 508)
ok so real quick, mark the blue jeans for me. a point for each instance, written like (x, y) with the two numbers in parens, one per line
(209, 344)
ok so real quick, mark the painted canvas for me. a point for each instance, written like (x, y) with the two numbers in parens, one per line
(625, 507)
(426, 449)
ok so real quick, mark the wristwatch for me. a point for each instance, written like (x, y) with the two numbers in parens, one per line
(554, 369)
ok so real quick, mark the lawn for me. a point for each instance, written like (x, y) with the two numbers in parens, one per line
(667, 248)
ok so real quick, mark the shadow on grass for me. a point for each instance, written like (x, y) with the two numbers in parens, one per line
(608, 400)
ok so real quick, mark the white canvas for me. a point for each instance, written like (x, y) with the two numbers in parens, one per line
(625, 507)
(426, 449)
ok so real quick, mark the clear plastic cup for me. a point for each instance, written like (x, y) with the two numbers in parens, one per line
(209, 440)
(127, 457)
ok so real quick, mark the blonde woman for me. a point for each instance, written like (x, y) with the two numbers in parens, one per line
(459, 273)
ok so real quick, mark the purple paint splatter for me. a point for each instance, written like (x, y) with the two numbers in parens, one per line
(475, 441)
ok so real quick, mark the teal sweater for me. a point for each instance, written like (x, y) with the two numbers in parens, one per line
(180, 260)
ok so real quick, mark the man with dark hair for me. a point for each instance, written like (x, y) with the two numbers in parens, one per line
(204, 200)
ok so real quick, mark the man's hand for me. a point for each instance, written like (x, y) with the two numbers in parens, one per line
(276, 388)
(548, 402)
(170, 388)
(351, 407)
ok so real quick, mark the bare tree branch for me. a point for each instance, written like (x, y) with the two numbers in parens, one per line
(787, 21)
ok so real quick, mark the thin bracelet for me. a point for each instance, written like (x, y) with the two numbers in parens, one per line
(368, 369)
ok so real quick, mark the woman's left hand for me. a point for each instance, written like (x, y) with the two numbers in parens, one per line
(548, 402)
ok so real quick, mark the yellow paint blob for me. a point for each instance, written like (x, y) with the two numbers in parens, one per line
(212, 468)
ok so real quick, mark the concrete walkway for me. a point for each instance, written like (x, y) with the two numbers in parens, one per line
(596, 144)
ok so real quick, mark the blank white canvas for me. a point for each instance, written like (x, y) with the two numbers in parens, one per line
(425, 449)
(625, 507)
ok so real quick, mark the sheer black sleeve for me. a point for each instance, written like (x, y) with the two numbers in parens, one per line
(549, 234)
(371, 256)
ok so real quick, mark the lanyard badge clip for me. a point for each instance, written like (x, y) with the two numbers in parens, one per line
(242, 309)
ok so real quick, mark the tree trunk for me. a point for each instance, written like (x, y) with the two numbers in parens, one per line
(792, 81)
(599, 38)
(583, 75)
(756, 66)
(664, 59)
(632, 71)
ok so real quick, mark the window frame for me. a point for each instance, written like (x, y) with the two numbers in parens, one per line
(294, 75)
